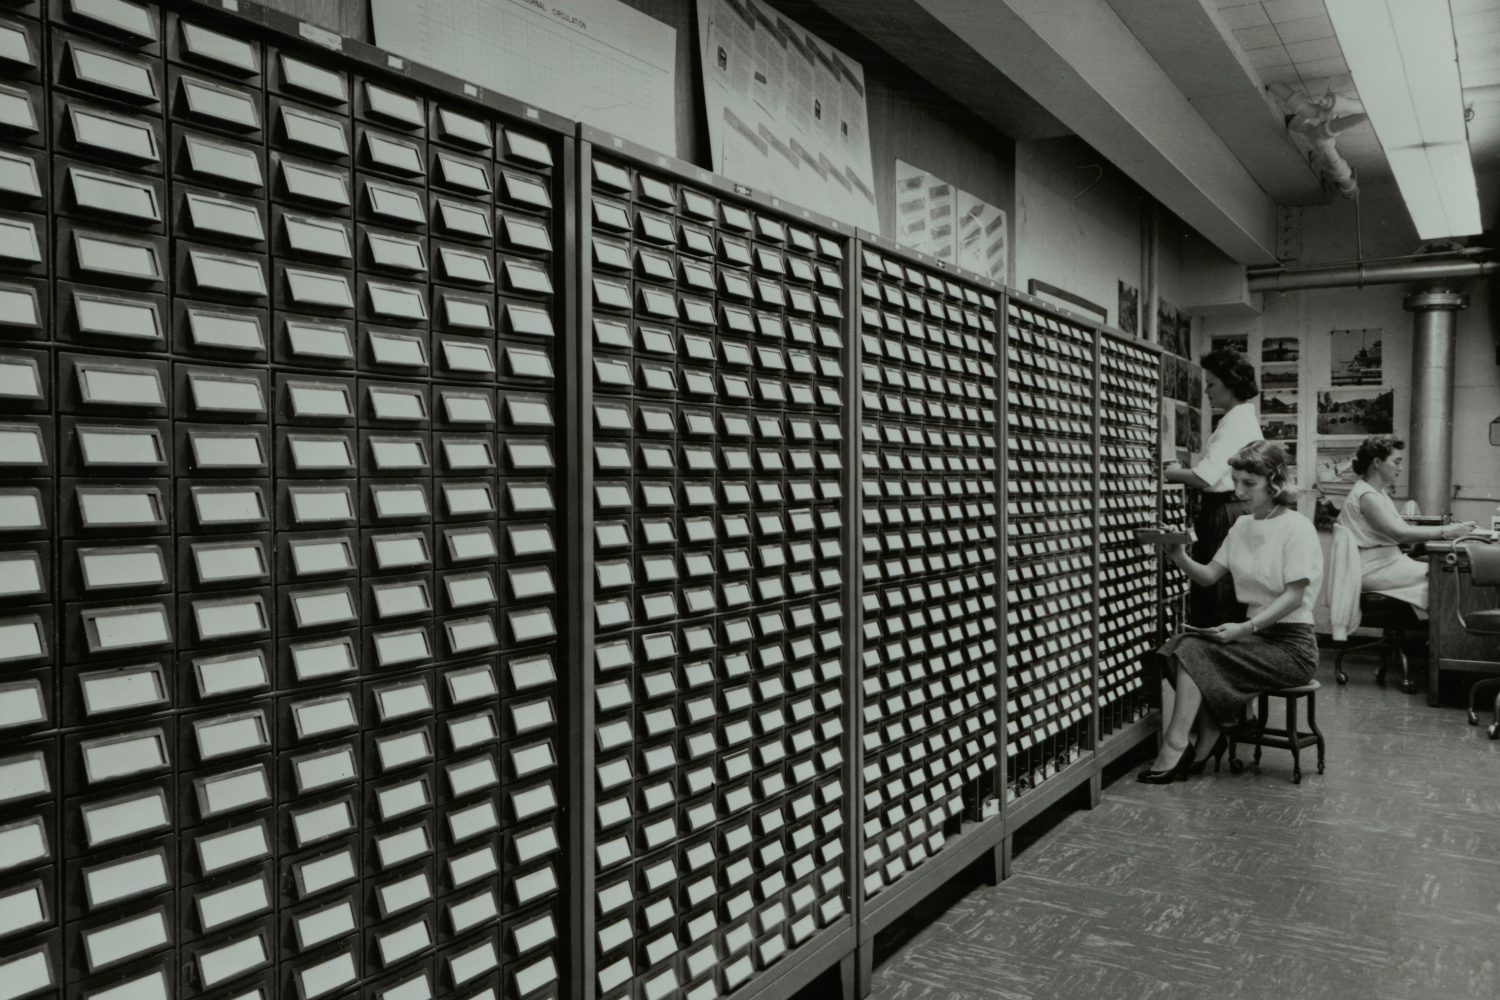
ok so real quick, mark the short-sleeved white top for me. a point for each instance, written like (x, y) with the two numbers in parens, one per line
(1238, 427)
(1264, 556)
(1366, 535)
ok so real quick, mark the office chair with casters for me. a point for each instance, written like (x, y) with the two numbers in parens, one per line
(1394, 618)
(1483, 559)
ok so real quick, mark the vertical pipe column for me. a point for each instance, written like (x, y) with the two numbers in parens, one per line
(1434, 326)
(1150, 261)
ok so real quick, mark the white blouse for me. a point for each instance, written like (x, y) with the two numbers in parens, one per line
(1238, 427)
(1264, 556)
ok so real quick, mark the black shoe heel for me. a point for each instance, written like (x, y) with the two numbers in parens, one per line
(1216, 752)
(1177, 772)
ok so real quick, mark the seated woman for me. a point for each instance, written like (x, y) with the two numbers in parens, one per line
(1370, 516)
(1273, 556)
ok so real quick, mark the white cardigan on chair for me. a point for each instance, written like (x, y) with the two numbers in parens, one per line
(1343, 583)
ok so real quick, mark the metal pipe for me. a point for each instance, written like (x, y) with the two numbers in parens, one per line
(1434, 325)
(1358, 275)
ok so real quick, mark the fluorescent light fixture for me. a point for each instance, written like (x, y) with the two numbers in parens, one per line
(1404, 61)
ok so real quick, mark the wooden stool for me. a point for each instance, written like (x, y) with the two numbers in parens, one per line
(1289, 738)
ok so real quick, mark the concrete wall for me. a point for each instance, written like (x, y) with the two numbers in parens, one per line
(1077, 222)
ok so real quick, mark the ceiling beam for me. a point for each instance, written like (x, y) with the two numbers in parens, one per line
(914, 38)
(1082, 64)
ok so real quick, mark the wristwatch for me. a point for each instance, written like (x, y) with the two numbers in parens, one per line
(1251, 623)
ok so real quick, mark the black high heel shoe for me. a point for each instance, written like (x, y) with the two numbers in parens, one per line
(1177, 772)
(1216, 752)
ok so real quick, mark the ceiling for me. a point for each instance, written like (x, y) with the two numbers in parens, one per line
(1291, 42)
(1173, 91)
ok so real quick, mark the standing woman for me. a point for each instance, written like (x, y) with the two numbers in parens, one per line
(1274, 562)
(1229, 380)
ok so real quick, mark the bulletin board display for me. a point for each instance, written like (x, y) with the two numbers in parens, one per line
(284, 682)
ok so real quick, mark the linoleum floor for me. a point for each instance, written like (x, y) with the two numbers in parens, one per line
(1379, 880)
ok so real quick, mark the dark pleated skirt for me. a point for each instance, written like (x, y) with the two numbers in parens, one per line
(1217, 604)
(1231, 673)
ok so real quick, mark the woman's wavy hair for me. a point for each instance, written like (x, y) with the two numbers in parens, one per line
(1233, 369)
(1267, 458)
(1373, 449)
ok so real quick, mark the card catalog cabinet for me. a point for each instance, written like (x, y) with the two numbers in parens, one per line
(1129, 399)
(1173, 583)
(450, 552)
(930, 550)
(1052, 524)
(716, 515)
(283, 703)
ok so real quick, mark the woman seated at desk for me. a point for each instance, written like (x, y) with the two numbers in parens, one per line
(1273, 556)
(1375, 526)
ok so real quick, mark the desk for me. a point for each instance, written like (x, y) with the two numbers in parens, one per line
(1450, 647)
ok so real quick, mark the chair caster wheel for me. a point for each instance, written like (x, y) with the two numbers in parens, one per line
(1320, 768)
(1236, 767)
(1494, 730)
(1296, 777)
(1409, 687)
(1341, 677)
(1473, 717)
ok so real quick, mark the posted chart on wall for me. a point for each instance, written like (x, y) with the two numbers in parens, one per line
(982, 237)
(786, 111)
(937, 218)
(595, 61)
(925, 208)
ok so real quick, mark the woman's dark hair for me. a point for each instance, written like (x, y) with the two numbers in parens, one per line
(1373, 449)
(1267, 458)
(1233, 369)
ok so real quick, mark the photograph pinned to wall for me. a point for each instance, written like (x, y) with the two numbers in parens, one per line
(1274, 350)
(1238, 342)
(983, 238)
(1355, 357)
(1335, 471)
(1278, 429)
(1278, 402)
(1189, 436)
(1183, 346)
(1356, 412)
(1278, 376)
(1129, 309)
(1290, 447)
(1173, 371)
(1167, 329)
